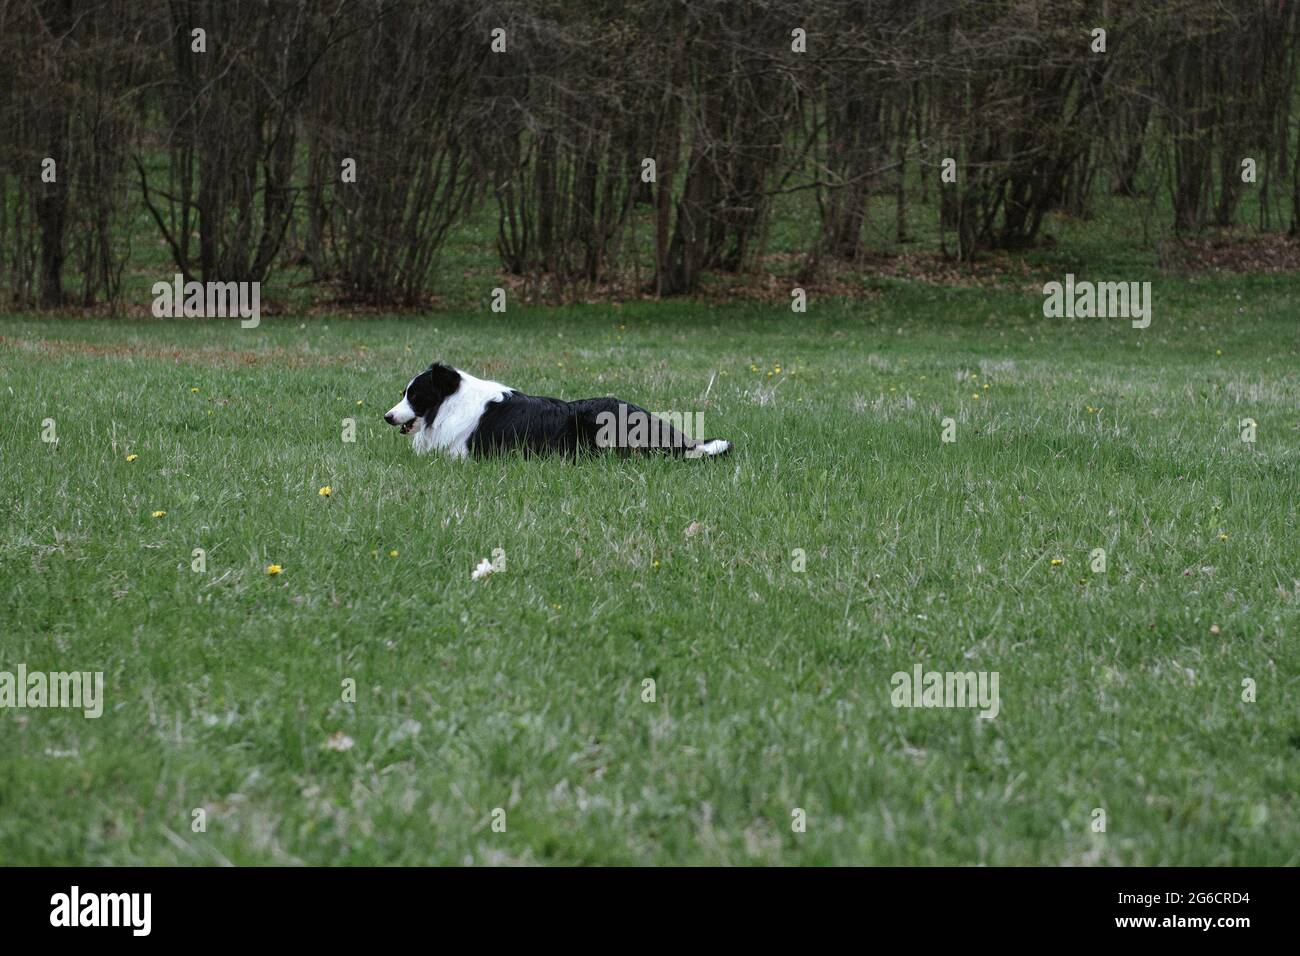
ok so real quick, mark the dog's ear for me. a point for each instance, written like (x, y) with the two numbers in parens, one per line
(445, 378)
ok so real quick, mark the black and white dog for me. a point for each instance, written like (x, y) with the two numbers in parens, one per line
(448, 410)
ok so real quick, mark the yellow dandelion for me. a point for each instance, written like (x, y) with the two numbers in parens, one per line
(1223, 536)
(325, 491)
(976, 396)
(392, 554)
(1057, 562)
(132, 457)
(194, 391)
(358, 401)
(273, 569)
(655, 564)
(160, 514)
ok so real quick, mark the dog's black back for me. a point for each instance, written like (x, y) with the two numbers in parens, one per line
(537, 425)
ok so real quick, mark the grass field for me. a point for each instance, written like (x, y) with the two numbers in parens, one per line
(1120, 690)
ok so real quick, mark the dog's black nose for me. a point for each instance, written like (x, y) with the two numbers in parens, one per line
(388, 417)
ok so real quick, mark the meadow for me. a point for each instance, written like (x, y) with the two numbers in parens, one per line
(769, 595)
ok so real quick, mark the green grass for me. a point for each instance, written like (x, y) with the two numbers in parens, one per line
(523, 691)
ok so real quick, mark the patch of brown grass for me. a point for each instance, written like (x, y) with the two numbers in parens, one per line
(1234, 252)
(179, 356)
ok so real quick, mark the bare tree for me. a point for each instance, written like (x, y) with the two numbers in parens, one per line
(607, 136)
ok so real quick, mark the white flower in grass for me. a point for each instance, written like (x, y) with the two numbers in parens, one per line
(339, 741)
(483, 570)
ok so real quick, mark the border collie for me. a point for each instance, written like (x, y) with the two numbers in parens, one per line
(456, 413)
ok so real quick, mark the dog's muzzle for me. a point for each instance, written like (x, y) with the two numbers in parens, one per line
(404, 428)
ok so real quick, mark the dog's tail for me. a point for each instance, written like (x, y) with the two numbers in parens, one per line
(709, 448)
(613, 423)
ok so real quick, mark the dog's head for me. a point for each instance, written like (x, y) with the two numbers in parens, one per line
(423, 397)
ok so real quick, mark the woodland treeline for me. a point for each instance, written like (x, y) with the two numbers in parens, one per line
(230, 147)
